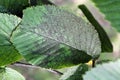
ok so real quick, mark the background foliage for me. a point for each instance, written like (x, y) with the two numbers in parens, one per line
(64, 35)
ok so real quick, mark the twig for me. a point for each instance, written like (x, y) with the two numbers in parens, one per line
(33, 66)
(93, 63)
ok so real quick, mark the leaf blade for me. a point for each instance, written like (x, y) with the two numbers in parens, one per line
(10, 74)
(46, 29)
(75, 73)
(105, 41)
(104, 72)
(8, 54)
(110, 8)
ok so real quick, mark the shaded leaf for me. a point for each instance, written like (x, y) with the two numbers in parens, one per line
(111, 10)
(3, 10)
(106, 44)
(75, 73)
(40, 2)
(107, 71)
(44, 2)
(10, 74)
(8, 54)
(14, 6)
(55, 38)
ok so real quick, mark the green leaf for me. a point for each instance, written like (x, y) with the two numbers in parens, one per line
(7, 25)
(75, 73)
(3, 10)
(14, 6)
(111, 10)
(46, 52)
(8, 53)
(44, 2)
(10, 74)
(106, 44)
(40, 2)
(107, 71)
(55, 38)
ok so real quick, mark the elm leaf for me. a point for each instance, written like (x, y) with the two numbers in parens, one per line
(106, 44)
(8, 53)
(55, 38)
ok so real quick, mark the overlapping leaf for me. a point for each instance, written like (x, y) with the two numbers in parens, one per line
(75, 73)
(8, 54)
(108, 71)
(52, 37)
(106, 44)
(10, 74)
(111, 9)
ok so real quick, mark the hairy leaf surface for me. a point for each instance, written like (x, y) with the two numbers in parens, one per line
(54, 38)
(8, 53)
(106, 44)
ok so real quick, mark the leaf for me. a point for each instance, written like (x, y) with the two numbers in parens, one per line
(44, 2)
(8, 54)
(55, 38)
(107, 71)
(106, 44)
(10, 74)
(75, 73)
(14, 6)
(45, 52)
(3, 10)
(110, 9)
(7, 25)
(40, 2)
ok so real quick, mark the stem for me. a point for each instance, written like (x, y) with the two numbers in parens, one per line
(32, 66)
(93, 63)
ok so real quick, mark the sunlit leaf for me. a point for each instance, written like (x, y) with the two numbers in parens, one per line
(8, 54)
(55, 38)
